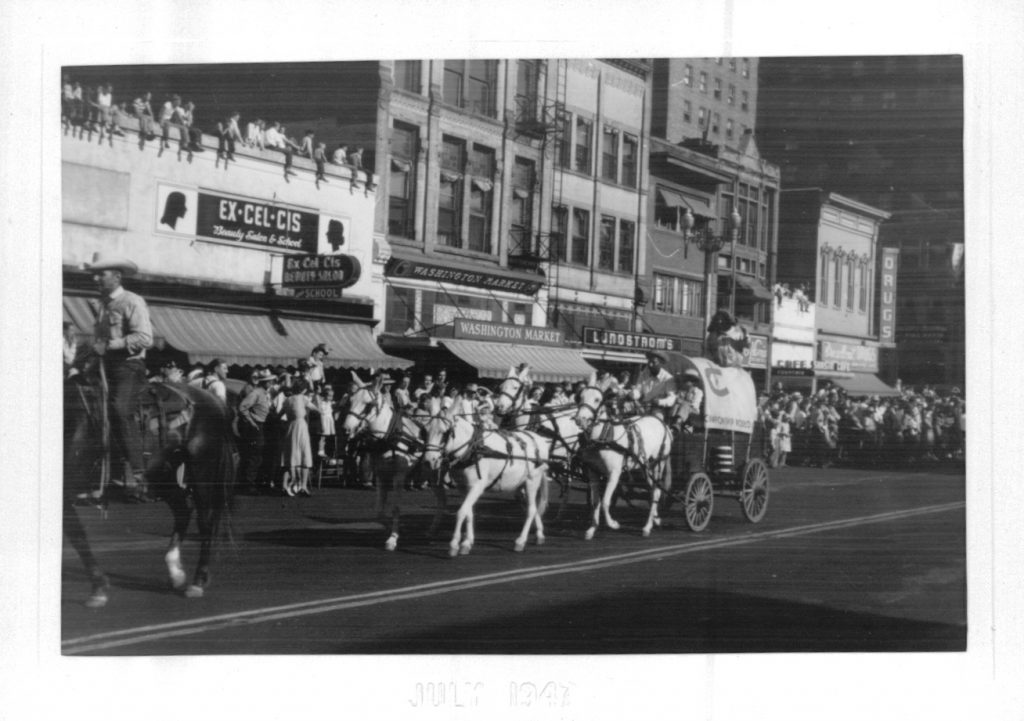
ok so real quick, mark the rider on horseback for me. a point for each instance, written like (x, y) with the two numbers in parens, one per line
(123, 333)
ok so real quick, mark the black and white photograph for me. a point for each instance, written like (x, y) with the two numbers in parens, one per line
(518, 376)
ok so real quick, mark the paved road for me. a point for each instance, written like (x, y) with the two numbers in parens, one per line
(845, 560)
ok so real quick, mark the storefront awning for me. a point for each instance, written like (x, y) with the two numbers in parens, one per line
(754, 286)
(352, 345)
(255, 338)
(699, 206)
(81, 312)
(547, 364)
(865, 384)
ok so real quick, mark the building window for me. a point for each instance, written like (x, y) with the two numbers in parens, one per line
(851, 288)
(407, 75)
(718, 89)
(584, 143)
(401, 311)
(822, 295)
(449, 203)
(731, 97)
(481, 194)
(703, 86)
(470, 85)
(402, 180)
(606, 244)
(678, 296)
(563, 138)
(580, 251)
(746, 68)
(745, 102)
(527, 73)
(862, 282)
(610, 154)
(732, 64)
(687, 112)
(728, 128)
(559, 233)
(837, 282)
(702, 117)
(627, 245)
(688, 76)
(716, 120)
(520, 242)
(630, 144)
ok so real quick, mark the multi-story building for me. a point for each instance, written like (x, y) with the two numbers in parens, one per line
(236, 260)
(511, 197)
(886, 131)
(830, 250)
(710, 182)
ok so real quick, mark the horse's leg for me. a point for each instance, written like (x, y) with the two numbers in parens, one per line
(204, 520)
(398, 485)
(652, 515)
(177, 499)
(542, 505)
(594, 478)
(614, 474)
(464, 517)
(531, 487)
(75, 532)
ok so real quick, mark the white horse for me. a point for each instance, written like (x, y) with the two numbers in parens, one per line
(557, 422)
(610, 448)
(396, 446)
(480, 460)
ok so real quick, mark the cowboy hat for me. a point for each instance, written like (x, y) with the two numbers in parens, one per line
(101, 261)
(263, 376)
(657, 354)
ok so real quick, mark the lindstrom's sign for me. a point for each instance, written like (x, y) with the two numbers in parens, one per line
(507, 333)
(625, 340)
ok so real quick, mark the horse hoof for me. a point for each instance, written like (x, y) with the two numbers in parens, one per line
(540, 540)
(453, 551)
(657, 523)
(464, 550)
(646, 533)
(391, 544)
(589, 535)
(97, 599)
(520, 546)
(194, 591)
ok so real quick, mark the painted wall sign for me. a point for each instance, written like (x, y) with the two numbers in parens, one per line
(813, 366)
(507, 333)
(626, 340)
(193, 213)
(336, 271)
(858, 357)
(406, 268)
(887, 297)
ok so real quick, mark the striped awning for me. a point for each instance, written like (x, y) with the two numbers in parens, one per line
(865, 384)
(81, 312)
(351, 345)
(548, 364)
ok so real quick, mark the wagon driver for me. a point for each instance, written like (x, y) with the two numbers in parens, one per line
(656, 387)
(123, 333)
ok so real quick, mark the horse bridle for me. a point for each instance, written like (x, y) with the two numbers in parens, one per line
(513, 397)
(448, 432)
(594, 410)
(372, 406)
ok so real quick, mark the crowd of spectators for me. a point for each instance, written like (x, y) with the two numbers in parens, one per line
(832, 427)
(800, 294)
(91, 111)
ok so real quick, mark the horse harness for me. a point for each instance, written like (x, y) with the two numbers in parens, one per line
(476, 451)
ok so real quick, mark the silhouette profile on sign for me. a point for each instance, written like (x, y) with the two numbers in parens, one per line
(335, 234)
(174, 208)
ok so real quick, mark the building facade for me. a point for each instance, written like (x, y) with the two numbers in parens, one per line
(829, 247)
(887, 131)
(236, 261)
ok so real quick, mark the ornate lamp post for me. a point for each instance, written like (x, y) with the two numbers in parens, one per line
(709, 244)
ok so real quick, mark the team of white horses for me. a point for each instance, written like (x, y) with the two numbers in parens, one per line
(480, 458)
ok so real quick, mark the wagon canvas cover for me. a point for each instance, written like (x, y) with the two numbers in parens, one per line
(730, 402)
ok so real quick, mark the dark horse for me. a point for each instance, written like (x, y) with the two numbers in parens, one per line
(186, 427)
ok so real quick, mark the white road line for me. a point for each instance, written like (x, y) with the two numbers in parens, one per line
(142, 634)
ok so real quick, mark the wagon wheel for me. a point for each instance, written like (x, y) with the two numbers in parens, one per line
(698, 500)
(754, 491)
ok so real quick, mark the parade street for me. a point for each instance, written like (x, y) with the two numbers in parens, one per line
(844, 560)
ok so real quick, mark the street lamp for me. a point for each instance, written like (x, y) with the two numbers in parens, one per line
(709, 244)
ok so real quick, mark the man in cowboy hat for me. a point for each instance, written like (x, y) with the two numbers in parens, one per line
(123, 333)
(252, 415)
(656, 387)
